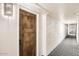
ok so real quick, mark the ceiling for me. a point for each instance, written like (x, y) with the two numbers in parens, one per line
(69, 10)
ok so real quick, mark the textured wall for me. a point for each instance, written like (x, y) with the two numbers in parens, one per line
(8, 34)
(55, 33)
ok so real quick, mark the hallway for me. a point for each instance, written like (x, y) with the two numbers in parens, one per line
(68, 47)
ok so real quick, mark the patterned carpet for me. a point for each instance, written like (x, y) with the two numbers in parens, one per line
(68, 47)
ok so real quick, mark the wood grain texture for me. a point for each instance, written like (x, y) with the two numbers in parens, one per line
(27, 36)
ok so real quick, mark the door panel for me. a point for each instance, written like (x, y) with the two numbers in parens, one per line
(27, 33)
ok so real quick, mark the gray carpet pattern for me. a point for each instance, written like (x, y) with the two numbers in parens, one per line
(68, 47)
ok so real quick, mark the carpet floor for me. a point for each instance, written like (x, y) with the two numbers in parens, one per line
(68, 47)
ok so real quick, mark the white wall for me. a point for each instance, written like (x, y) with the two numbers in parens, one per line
(55, 33)
(8, 34)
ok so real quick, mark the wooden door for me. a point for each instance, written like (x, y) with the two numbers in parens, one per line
(27, 35)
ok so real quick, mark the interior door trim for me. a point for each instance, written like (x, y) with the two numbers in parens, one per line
(37, 26)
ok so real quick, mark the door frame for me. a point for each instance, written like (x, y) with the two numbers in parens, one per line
(77, 35)
(37, 24)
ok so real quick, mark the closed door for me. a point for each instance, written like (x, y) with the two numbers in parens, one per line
(27, 24)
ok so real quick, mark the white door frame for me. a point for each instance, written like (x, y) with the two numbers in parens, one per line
(77, 37)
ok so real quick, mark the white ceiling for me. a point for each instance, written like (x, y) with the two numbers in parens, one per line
(67, 9)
